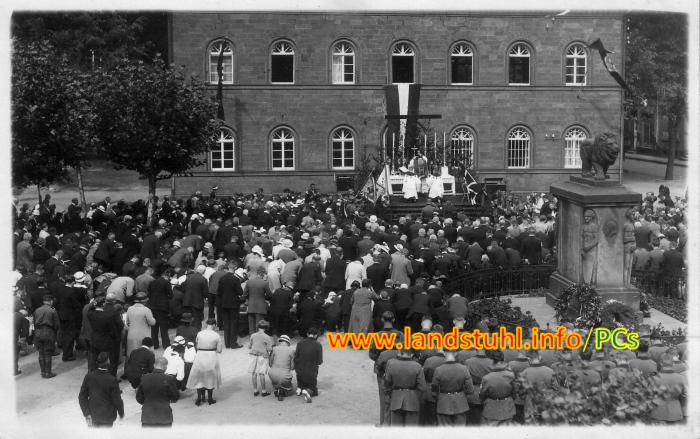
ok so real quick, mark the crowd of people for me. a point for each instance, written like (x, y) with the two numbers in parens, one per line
(114, 284)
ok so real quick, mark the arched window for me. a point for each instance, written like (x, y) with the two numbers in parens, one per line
(215, 51)
(282, 149)
(223, 154)
(575, 70)
(519, 65)
(343, 63)
(518, 148)
(462, 146)
(462, 64)
(572, 147)
(343, 149)
(282, 63)
(403, 64)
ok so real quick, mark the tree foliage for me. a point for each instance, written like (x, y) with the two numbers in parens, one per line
(110, 36)
(154, 120)
(51, 115)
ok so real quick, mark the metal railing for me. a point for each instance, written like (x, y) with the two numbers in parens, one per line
(659, 284)
(497, 281)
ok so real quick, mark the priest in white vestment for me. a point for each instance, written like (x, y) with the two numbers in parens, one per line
(436, 187)
(411, 186)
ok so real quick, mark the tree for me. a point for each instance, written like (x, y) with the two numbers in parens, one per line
(657, 57)
(155, 121)
(51, 115)
(86, 43)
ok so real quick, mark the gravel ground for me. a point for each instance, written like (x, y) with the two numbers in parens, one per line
(345, 379)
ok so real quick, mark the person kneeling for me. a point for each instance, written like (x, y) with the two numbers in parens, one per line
(308, 356)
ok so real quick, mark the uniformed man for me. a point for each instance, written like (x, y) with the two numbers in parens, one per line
(496, 393)
(479, 366)
(585, 374)
(375, 354)
(46, 324)
(452, 383)
(643, 362)
(519, 364)
(428, 413)
(537, 375)
(600, 363)
(672, 410)
(404, 376)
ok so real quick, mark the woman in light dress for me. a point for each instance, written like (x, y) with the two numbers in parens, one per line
(206, 373)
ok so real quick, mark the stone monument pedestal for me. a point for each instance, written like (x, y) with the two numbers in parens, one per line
(593, 251)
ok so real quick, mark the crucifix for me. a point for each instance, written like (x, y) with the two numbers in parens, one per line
(410, 125)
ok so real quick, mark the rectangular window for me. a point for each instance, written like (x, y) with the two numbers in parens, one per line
(461, 69)
(518, 153)
(282, 69)
(575, 71)
(283, 155)
(402, 69)
(343, 69)
(519, 70)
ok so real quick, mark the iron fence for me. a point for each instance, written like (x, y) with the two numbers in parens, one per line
(659, 284)
(497, 281)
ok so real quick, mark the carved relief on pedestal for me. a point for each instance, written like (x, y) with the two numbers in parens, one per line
(589, 247)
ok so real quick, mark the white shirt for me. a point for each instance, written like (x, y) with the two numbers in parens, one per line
(176, 366)
(355, 271)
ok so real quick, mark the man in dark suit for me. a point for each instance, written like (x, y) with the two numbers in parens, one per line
(140, 362)
(531, 248)
(107, 326)
(159, 294)
(308, 356)
(70, 311)
(403, 299)
(195, 289)
(377, 273)
(335, 272)
(281, 302)
(497, 255)
(672, 264)
(229, 295)
(150, 248)
(421, 307)
(100, 398)
(513, 257)
(382, 306)
(310, 276)
(457, 306)
(155, 393)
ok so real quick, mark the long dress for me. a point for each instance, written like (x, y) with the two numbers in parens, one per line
(139, 320)
(205, 372)
(361, 313)
(281, 366)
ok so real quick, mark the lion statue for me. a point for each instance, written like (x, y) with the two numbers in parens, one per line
(597, 155)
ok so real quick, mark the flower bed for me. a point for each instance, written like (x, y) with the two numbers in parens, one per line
(676, 308)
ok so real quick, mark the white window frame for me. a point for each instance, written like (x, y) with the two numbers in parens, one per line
(280, 138)
(572, 147)
(458, 51)
(520, 50)
(403, 49)
(462, 141)
(578, 57)
(344, 136)
(225, 139)
(517, 138)
(214, 51)
(283, 48)
(343, 55)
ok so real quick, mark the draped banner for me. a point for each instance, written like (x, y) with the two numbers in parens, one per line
(403, 100)
(609, 66)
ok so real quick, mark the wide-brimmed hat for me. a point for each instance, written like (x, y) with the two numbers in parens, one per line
(257, 250)
(79, 276)
(141, 297)
(180, 340)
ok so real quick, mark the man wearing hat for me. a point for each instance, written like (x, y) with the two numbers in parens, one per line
(195, 289)
(100, 398)
(107, 326)
(160, 293)
(46, 324)
(229, 294)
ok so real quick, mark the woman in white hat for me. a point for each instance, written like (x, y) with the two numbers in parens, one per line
(281, 366)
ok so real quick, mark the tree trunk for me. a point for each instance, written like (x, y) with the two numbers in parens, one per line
(81, 189)
(151, 198)
(38, 190)
(671, 150)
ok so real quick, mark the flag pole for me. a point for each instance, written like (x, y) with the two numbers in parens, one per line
(444, 156)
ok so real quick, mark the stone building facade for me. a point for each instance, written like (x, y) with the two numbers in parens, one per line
(304, 93)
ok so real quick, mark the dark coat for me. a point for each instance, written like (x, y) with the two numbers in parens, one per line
(531, 249)
(403, 299)
(377, 274)
(156, 392)
(281, 301)
(100, 397)
(310, 313)
(196, 289)
(229, 291)
(107, 327)
(421, 305)
(308, 356)
(335, 274)
(309, 277)
(159, 294)
(150, 247)
(672, 263)
(140, 362)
